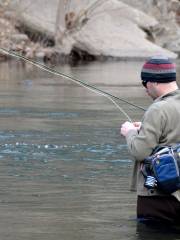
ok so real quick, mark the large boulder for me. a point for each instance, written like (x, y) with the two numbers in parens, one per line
(115, 29)
(167, 31)
(39, 15)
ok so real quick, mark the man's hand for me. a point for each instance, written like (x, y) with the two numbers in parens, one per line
(137, 125)
(127, 126)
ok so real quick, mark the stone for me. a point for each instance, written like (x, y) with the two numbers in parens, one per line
(116, 31)
(167, 32)
(18, 38)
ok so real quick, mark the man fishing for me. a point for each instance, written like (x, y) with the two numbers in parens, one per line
(160, 127)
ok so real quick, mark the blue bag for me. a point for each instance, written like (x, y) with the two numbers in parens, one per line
(163, 169)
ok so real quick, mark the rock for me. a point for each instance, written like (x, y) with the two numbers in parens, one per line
(111, 29)
(44, 53)
(18, 38)
(40, 55)
(10, 15)
(40, 16)
(167, 32)
(113, 32)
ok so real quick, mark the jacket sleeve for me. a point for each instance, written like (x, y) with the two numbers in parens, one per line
(142, 144)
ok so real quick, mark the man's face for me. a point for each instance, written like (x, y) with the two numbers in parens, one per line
(151, 89)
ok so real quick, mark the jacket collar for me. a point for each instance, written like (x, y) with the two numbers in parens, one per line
(170, 94)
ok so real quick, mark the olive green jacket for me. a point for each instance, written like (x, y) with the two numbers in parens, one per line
(160, 126)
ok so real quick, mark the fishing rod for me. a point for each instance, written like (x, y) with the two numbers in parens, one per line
(88, 86)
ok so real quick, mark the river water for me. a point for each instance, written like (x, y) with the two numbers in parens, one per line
(64, 168)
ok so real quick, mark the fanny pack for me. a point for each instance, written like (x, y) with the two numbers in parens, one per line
(161, 170)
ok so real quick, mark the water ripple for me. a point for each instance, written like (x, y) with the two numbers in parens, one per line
(40, 114)
(88, 152)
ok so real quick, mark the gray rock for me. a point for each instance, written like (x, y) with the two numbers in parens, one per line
(39, 15)
(167, 32)
(40, 55)
(114, 30)
(18, 38)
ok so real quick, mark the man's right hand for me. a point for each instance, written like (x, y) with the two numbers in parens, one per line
(126, 127)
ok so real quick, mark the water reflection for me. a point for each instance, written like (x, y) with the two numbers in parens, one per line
(64, 169)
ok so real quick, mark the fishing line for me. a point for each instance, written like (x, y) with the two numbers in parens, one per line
(87, 86)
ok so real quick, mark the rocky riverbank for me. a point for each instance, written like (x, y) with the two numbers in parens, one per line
(13, 39)
(110, 29)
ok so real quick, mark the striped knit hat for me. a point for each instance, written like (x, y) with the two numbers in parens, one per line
(158, 69)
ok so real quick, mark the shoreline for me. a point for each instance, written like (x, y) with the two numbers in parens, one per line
(56, 58)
